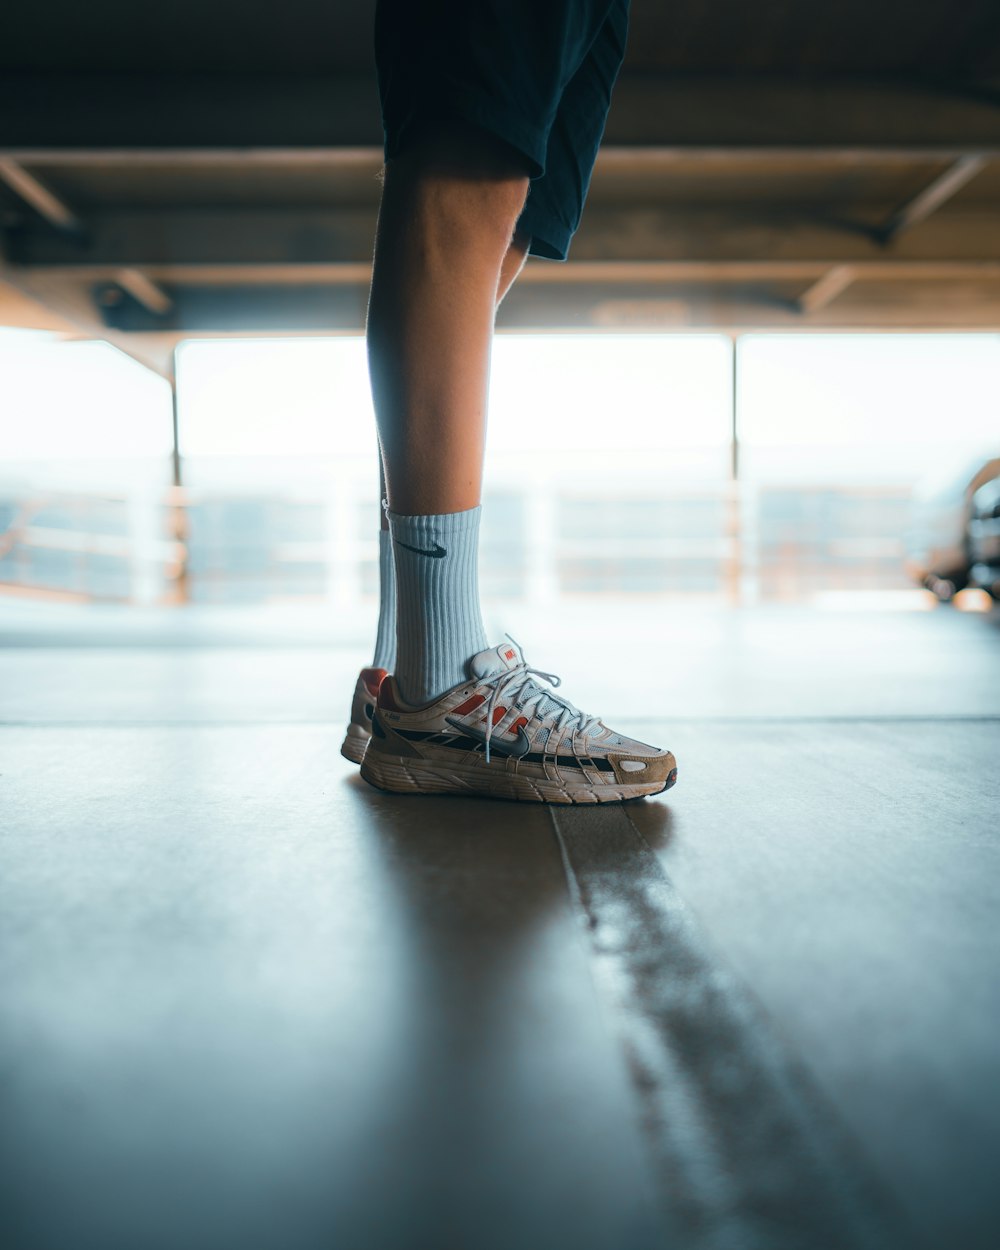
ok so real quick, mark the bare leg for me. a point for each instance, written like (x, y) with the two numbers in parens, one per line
(444, 256)
(512, 265)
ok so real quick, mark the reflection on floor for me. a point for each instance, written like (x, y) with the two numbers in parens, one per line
(250, 1002)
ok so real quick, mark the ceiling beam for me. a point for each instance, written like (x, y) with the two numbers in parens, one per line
(959, 298)
(71, 304)
(937, 306)
(652, 158)
(828, 280)
(827, 287)
(778, 232)
(21, 311)
(35, 193)
(158, 241)
(611, 160)
(141, 239)
(964, 303)
(351, 158)
(142, 288)
(934, 195)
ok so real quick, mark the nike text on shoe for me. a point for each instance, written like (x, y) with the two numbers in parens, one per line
(504, 735)
(362, 711)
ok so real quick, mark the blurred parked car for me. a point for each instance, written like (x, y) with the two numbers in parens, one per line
(954, 536)
(984, 536)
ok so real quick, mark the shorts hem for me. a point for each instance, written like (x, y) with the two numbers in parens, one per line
(549, 239)
(549, 251)
(467, 104)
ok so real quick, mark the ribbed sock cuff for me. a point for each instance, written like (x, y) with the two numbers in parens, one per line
(438, 622)
(385, 634)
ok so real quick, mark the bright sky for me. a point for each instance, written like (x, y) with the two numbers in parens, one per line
(852, 389)
(311, 396)
(78, 401)
(887, 407)
(925, 395)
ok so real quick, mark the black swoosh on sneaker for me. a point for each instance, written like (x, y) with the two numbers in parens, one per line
(514, 749)
(436, 554)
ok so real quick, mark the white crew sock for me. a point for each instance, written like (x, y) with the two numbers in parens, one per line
(438, 623)
(385, 634)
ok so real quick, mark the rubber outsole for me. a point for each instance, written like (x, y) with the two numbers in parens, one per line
(353, 746)
(402, 775)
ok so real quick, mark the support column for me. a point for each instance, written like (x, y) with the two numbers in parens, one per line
(178, 589)
(734, 503)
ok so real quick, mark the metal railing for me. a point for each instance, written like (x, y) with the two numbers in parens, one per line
(734, 542)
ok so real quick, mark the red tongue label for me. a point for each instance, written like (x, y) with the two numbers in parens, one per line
(508, 654)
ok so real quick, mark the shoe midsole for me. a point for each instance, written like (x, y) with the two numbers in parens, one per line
(407, 774)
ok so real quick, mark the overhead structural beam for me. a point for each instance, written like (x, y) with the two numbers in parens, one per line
(835, 278)
(145, 290)
(612, 159)
(35, 193)
(72, 305)
(340, 158)
(826, 289)
(155, 240)
(826, 281)
(936, 193)
(333, 309)
(635, 159)
(966, 297)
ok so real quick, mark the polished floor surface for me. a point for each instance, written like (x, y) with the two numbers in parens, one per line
(249, 1002)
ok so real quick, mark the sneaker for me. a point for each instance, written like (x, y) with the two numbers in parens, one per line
(502, 734)
(362, 711)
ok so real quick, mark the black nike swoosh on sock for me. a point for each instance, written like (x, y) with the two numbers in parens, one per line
(436, 554)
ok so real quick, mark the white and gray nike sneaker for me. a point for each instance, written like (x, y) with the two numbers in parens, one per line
(362, 711)
(504, 735)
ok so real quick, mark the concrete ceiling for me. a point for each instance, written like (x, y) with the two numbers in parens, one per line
(204, 169)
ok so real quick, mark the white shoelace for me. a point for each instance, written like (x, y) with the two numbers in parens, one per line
(519, 682)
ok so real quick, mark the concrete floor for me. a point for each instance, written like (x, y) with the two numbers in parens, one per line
(250, 1002)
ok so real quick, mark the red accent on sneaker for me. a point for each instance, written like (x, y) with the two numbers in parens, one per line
(469, 705)
(508, 655)
(518, 724)
(386, 699)
(498, 714)
(373, 678)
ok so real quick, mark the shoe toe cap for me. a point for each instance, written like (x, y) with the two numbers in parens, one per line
(643, 770)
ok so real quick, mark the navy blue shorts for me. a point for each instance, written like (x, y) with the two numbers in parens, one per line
(537, 74)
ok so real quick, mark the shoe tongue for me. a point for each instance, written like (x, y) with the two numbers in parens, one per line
(496, 660)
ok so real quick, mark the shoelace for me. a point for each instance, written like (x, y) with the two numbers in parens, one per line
(519, 682)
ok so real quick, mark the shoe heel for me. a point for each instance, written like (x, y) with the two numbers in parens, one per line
(400, 774)
(353, 747)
